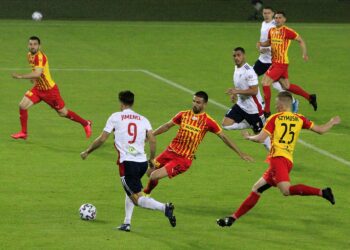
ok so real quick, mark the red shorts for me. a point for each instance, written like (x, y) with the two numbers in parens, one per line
(278, 171)
(173, 163)
(51, 97)
(277, 71)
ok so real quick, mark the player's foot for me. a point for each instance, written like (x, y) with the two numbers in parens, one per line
(88, 129)
(313, 101)
(328, 195)
(225, 222)
(20, 135)
(295, 106)
(169, 212)
(124, 227)
(267, 114)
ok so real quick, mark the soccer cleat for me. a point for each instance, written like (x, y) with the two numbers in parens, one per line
(124, 227)
(225, 222)
(20, 135)
(313, 101)
(169, 212)
(328, 195)
(295, 106)
(267, 114)
(88, 129)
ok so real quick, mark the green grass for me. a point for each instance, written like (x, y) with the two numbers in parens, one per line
(44, 181)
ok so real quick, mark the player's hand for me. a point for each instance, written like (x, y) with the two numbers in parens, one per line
(306, 58)
(233, 98)
(84, 155)
(335, 120)
(16, 76)
(232, 91)
(245, 134)
(246, 157)
(258, 45)
(151, 163)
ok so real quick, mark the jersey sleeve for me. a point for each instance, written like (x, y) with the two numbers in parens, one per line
(177, 118)
(148, 126)
(40, 61)
(291, 34)
(307, 124)
(213, 126)
(109, 127)
(270, 125)
(252, 78)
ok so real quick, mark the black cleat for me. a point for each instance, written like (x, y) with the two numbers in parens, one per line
(169, 212)
(124, 227)
(328, 195)
(267, 114)
(313, 101)
(225, 222)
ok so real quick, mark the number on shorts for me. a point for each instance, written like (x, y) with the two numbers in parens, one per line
(132, 131)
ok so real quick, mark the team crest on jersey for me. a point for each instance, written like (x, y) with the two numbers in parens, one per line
(194, 118)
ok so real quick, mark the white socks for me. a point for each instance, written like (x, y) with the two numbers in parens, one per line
(150, 203)
(237, 126)
(129, 208)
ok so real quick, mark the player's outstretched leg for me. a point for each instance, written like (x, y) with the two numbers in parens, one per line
(295, 89)
(64, 112)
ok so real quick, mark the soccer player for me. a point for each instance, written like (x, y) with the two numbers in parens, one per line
(130, 132)
(45, 89)
(279, 39)
(177, 157)
(249, 105)
(283, 128)
(264, 61)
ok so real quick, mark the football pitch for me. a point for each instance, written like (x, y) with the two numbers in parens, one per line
(43, 180)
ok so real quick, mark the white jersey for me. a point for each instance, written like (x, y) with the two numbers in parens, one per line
(265, 52)
(130, 130)
(243, 78)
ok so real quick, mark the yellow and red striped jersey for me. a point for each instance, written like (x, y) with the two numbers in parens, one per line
(39, 60)
(284, 129)
(280, 40)
(193, 128)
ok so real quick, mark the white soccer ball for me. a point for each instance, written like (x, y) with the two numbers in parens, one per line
(37, 16)
(87, 212)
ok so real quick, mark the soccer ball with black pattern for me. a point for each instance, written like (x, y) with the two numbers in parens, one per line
(87, 212)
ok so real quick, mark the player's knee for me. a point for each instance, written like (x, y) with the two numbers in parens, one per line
(266, 83)
(22, 106)
(285, 192)
(154, 176)
(134, 198)
(62, 113)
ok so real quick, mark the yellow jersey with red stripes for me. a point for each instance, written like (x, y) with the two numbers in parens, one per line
(280, 41)
(193, 128)
(284, 129)
(39, 60)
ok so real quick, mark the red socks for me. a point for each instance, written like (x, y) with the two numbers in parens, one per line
(248, 204)
(74, 117)
(295, 89)
(301, 189)
(267, 98)
(23, 117)
(150, 186)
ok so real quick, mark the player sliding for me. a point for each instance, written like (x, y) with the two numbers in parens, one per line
(279, 39)
(178, 156)
(283, 128)
(130, 132)
(45, 89)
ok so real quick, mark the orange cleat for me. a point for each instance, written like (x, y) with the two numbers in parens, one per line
(20, 135)
(88, 129)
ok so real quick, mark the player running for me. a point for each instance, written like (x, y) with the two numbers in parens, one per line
(130, 132)
(279, 39)
(283, 128)
(248, 111)
(45, 89)
(178, 156)
(264, 61)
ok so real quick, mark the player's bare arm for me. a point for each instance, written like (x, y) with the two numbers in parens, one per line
(260, 138)
(33, 75)
(162, 129)
(303, 47)
(234, 147)
(252, 90)
(152, 146)
(321, 129)
(267, 43)
(96, 144)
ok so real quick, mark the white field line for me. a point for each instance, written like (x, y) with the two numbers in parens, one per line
(187, 90)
